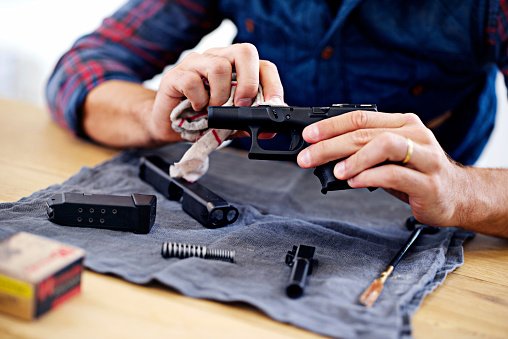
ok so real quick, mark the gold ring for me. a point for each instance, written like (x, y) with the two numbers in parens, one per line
(409, 153)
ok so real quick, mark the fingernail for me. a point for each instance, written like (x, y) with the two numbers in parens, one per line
(276, 101)
(244, 102)
(313, 132)
(304, 158)
(351, 182)
(339, 169)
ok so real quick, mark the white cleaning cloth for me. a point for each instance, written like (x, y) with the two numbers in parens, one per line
(193, 126)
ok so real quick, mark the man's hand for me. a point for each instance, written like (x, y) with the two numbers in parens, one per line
(124, 114)
(216, 65)
(440, 191)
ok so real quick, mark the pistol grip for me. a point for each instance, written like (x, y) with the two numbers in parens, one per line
(328, 180)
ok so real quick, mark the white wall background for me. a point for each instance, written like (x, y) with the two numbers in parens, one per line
(35, 33)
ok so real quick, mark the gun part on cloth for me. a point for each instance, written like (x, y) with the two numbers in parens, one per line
(283, 120)
(182, 251)
(301, 260)
(372, 292)
(134, 213)
(199, 202)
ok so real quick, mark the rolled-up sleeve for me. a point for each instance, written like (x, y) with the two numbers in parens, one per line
(134, 44)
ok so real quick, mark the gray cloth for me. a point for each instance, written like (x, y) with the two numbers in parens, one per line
(355, 232)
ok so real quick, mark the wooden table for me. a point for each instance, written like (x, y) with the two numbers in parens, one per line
(36, 153)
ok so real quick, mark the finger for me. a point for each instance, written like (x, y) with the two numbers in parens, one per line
(216, 69)
(409, 185)
(266, 135)
(336, 148)
(388, 147)
(392, 177)
(244, 57)
(219, 80)
(176, 85)
(356, 120)
(270, 80)
(239, 134)
(190, 84)
(263, 135)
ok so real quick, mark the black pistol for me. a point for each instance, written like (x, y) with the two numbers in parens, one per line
(283, 120)
(301, 260)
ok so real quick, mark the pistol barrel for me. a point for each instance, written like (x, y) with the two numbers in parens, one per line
(301, 260)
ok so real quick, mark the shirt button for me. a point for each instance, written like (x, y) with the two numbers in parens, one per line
(417, 90)
(327, 52)
(249, 25)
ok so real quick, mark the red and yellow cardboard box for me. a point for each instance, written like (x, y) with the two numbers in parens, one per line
(37, 274)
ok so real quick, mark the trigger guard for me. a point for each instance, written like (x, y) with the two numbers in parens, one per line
(254, 145)
(257, 152)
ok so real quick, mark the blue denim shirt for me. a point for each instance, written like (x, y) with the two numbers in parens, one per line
(435, 58)
(426, 57)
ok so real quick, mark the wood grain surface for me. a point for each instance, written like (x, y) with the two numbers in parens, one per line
(36, 153)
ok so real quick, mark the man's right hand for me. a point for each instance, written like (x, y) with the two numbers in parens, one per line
(217, 65)
(125, 114)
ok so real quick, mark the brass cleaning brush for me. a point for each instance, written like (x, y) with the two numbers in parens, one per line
(370, 295)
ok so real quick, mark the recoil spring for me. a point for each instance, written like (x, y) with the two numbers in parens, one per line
(177, 250)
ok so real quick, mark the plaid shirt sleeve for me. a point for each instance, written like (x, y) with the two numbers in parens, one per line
(497, 35)
(134, 44)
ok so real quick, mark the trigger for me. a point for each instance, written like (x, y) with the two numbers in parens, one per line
(296, 139)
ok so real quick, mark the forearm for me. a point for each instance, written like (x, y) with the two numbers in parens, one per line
(483, 201)
(116, 113)
(134, 44)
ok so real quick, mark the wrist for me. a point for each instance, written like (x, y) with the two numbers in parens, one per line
(464, 197)
(483, 204)
(142, 111)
